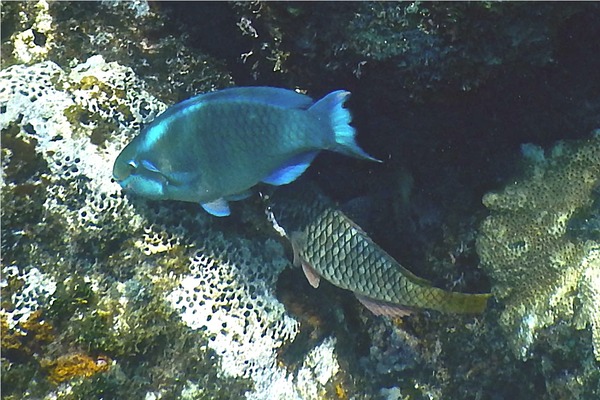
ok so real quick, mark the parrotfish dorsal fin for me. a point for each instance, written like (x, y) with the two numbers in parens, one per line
(263, 94)
(255, 94)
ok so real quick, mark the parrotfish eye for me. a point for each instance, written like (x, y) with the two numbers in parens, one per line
(132, 164)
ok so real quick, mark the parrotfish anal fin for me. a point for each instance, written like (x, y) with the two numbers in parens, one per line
(239, 196)
(291, 170)
(311, 275)
(218, 208)
(384, 308)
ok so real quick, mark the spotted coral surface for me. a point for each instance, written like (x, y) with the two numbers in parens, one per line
(542, 273)
(118, 274)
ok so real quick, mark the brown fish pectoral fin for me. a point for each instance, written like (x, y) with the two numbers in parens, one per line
(311, 275)
(385, 308)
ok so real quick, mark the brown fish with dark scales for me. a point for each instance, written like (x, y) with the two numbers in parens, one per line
(328, 244)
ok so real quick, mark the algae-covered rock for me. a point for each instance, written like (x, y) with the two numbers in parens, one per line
(419, 49)
(124, 283)
(542, 272)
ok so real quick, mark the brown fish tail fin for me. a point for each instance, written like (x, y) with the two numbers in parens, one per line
(465, 303)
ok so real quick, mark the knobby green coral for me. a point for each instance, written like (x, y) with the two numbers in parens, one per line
(542, 272)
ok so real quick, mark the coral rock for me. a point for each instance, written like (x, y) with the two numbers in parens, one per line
(542, 272)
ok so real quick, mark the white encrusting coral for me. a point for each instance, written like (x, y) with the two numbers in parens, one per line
(224, 283)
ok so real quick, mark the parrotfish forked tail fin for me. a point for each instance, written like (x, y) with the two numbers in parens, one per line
(344, 136)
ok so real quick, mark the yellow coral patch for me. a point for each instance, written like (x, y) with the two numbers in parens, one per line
(75, 365)
(540, 271)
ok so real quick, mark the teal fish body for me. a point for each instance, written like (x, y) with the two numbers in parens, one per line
(215, 147)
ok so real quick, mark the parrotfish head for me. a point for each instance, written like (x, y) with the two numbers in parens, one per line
(150, 185)
(139, 176)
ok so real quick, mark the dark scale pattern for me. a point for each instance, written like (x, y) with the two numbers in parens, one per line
(345, 256)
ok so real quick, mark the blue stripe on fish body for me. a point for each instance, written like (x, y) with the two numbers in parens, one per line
(215, 146)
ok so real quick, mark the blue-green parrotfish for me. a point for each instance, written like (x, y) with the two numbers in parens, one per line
(215, 147)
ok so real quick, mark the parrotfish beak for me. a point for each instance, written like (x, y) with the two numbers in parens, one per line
(152, 187)
(137, 179)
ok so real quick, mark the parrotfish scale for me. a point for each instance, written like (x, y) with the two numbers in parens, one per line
(239, 196)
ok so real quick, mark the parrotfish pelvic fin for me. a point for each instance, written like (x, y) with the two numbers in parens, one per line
(384, 308)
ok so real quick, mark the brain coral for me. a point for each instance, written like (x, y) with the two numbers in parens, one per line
(544, 271)
(107, 268)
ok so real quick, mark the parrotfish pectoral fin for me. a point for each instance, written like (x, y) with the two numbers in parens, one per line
(384, 308)
(149, 166)
(239, 196)
(218, 208)
(343, 141)
(291, 170)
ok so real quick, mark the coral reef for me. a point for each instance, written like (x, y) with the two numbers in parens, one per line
(116, 297)
(424, 49)
(100, 256)
(541, 272)
(75, 365)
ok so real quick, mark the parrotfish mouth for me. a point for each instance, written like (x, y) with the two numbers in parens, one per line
(144, 186)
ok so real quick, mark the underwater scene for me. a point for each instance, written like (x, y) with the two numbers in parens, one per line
(300, 200)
